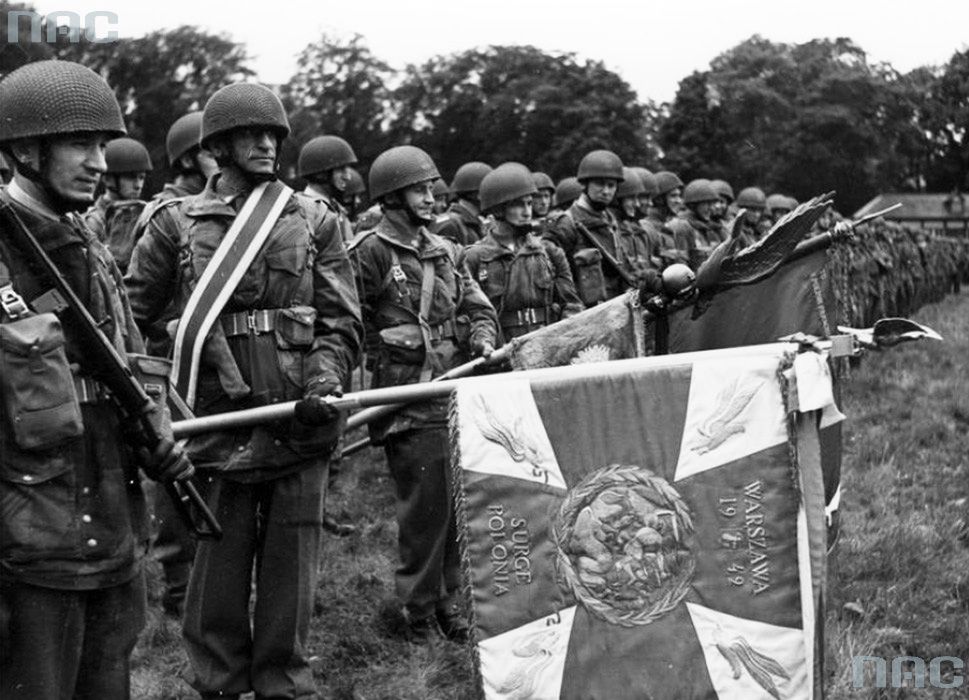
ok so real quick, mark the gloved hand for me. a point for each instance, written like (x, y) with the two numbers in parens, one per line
(314, 410)
(482, 348)
(167, 462)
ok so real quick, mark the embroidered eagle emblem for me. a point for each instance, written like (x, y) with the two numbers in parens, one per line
(532, 657)
(724, 422)
(744, 658)
(514, 438)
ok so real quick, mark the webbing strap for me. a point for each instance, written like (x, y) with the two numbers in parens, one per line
(222, 275)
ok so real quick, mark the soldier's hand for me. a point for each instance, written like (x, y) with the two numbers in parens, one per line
(167, 462)
(314, 409)
(843, 229)
(483, 348)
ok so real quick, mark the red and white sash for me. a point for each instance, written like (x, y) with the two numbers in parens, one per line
(222, 275)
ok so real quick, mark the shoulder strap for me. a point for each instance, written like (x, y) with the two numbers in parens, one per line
(222, 275)
(615, 264)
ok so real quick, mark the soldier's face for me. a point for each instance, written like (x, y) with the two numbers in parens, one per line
(440, 204)
(340, 178)
(674, 199)
(519, 211)
(129, 185)
(541, 203)
(703, 209)
(719, 209)
(74, 165)
(419, 199)
(254, 150)
(753, 216)
(630, 205)
(206, 163)
(601, 190)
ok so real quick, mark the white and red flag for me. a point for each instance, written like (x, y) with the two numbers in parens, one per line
(646, 528)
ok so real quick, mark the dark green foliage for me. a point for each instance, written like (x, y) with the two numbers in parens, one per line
(518, 103)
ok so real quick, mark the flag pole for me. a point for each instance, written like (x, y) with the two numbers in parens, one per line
(424, 391)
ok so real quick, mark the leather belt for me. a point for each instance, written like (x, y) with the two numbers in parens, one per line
(244, 322)
(90, 390)
(529, 316)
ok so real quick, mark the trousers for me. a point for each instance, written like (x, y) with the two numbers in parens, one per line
(70, 645)
(429, 572)
(272, 538)
(174, 548)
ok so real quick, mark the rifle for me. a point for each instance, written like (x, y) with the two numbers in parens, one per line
(113, 370)
(606, 255)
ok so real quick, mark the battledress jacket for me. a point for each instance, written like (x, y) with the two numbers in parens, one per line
(74, 514)
(390, 270)
(293, 320)
(459, 224)
(529, 287)
(114, 224)
(584, 258)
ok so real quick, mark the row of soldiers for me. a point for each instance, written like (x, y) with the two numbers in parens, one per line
(261, 295)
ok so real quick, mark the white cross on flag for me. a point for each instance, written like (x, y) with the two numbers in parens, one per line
(646, 528)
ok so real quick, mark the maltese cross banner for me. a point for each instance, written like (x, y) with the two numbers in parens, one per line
(646, 528)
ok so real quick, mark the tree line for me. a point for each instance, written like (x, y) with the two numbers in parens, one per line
(792, 118)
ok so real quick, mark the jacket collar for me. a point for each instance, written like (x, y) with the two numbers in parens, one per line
(218, 200)
(426, 245)
(530, 245)
(51, 231)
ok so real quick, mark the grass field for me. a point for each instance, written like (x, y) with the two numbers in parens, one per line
(899, 580)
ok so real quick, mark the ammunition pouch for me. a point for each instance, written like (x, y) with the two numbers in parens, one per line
(36, 384)
(404, 344)
(589, 279)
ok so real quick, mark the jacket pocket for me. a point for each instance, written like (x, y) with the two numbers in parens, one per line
(39, 398)
(402, 344)
(295, 330)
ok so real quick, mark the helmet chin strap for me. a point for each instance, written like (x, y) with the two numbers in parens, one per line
(397, 203)
(58, 203)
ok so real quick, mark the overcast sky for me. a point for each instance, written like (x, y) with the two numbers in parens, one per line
(653, 45)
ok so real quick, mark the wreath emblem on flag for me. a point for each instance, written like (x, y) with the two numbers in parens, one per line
(624, 540)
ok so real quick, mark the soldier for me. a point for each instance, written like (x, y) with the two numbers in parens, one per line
(589, 232)
(288, 329)
(462, 223)
(694, 224)
(542, 202)
(115, 213)
(412, 291)
(635, 246)
(192, 165)
(720, 214)
(566, 192)
(326, 163)
(75, 529)
(355, 197)
(777, 205)
(440, 197)
(527, 279)
(666, 201)
(752, 200)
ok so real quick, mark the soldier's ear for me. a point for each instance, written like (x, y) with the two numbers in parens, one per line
(26, 151)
